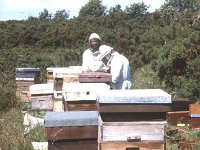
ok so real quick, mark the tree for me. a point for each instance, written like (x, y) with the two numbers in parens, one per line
(181, 5)
(44, 15)
(116, 9)
(92, 8)
(61, 15)
(136, 9)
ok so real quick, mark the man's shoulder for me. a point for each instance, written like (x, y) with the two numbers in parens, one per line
(87, 51)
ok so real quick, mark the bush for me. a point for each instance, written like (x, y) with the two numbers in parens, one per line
(8, 99)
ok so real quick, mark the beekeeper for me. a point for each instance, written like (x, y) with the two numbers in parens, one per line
(91, 57)
(119, 67)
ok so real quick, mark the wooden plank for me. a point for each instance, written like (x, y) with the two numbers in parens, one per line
(88, 144)
(58, 83)
(63, 133)
(41, 89)
(58, 105)
(81, 107)
(25, 96)
(135, 116)
(95, 77)
(81, 96)
(132, 145)
(28, 70)
(71, 78)
(42, 102)
(106, 108)
(24, 83)
(49, 75)
(121, 131)
(176, 117)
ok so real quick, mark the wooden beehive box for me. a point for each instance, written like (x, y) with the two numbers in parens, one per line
(194, 111)
(42, 96)
(131, 135)
(71, 125)
(82, 96)
(95, 77)
(132, 145)
(27, 76)
(42, 103)
(89, 144)
(26, 79)
(36, 71)
(23, 82)
(49, 72)
(72, 130)
(23, 94)
(134, 105)
(180, 104)
(178, 117)
(62, 75)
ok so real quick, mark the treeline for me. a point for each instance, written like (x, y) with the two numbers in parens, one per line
(168, 40)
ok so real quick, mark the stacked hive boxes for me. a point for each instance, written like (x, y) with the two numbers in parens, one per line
(42, 96)
(50, 75)
(60, 76)
(129, 119)
(73, 130)
(77, 127)
(26, 77)
(81, 96)
(132, 119)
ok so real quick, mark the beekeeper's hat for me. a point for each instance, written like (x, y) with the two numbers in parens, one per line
(94, 36)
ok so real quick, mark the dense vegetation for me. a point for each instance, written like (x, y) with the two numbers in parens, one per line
(167, 40)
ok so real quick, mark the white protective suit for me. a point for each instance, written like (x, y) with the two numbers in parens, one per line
(91, 60)
(120, 68)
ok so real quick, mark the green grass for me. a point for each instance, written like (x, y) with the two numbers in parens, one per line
(145, 78)
(12, 132)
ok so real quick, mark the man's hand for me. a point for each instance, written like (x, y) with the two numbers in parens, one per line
(105, 69)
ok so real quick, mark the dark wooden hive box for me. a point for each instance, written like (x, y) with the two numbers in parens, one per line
(134, 105)
(95, 77)
(74, 125)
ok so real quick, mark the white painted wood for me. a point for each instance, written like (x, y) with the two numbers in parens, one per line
(82, 91)
(42, 88)
(121, 131)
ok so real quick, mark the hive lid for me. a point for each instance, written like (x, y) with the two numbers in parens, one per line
(71, 118)
(139, 96)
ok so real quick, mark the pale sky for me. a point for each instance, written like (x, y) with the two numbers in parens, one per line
(22, 9)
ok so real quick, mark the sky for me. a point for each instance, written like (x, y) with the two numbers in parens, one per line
(22, 9)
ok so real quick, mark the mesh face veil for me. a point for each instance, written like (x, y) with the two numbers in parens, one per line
(105, 52)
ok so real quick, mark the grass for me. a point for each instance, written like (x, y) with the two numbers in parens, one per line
(12, 132)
